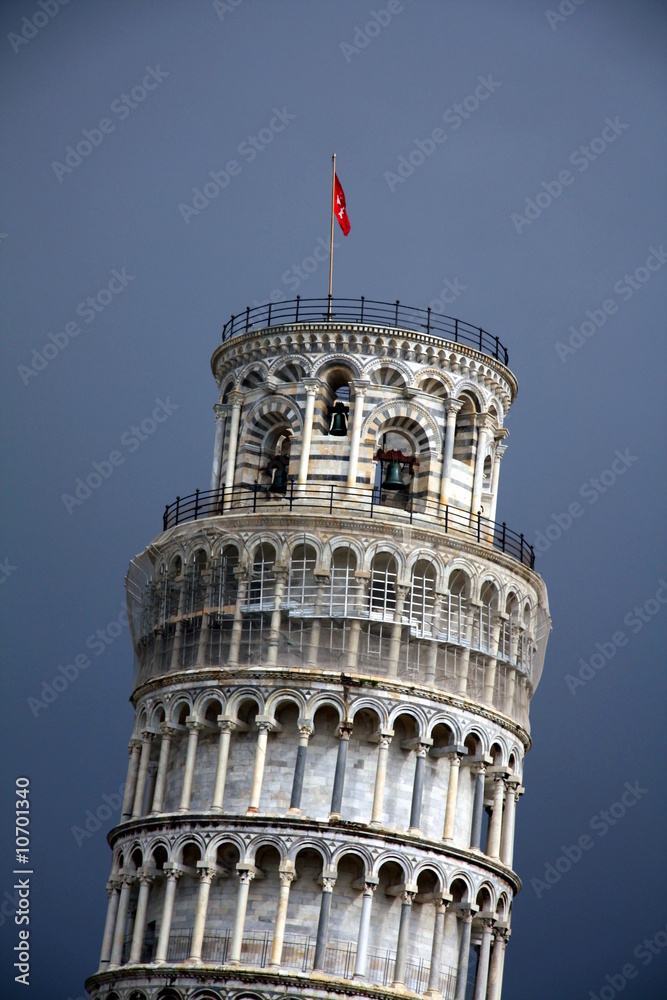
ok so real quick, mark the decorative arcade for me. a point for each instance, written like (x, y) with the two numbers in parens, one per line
(336, 648)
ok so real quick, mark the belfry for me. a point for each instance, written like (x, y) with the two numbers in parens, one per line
(336, 648)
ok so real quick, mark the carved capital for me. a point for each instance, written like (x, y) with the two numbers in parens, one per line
(328, 884)
(286, 878)
(246, 877)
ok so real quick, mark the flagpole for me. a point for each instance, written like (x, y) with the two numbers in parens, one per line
(333, 206)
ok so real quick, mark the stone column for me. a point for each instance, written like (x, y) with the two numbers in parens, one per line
(497, 619)
(220, 414)
(121, 920)
(322, 579)
(236, 399)
(483, 427)
(462, 678)
(113, 892)
(495, 984)
(464, 955)
(194, 727)
(206, 875)
(496, 821)
(429, 677)
(144, 761)
(150, 786)
(312, 386)
(145, 878)
(481, 979)
(323, 923)
(477, 808)
(226, 727)
(402, 943)
(245, 878)
(131, 783)
(452, 407)
(433, 988)
(274, 630)
(264, 726)
(360, 386)
(507, 839)
(305, 732)
(499, 452)
(173, 875)
(364, 578)
(380, 776)
(237, 625)
(370, 885)
(396, 630)
(418, 784)
(286, 879)
(345, 731)
(167, 733)
(452, 795)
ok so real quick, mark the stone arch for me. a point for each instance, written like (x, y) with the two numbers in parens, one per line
(263, 840)
(444, 719)
(389, 373)
(341, 542)
(251, 375)
(324, 700)
(309, 844)
(240, 697)
(361, 854)
(429, 865)
(292, 369)
(206, 698)
(415, 712)
(406, 416)
(182, 702)
(434, 382)
(285, 696)
(220, 839)
(369, 704)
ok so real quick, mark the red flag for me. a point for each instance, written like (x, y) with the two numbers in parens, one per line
(339, 208)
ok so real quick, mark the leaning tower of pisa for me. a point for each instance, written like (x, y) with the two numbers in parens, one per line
(336, 647)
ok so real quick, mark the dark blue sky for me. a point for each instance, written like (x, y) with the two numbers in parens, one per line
(543, 205)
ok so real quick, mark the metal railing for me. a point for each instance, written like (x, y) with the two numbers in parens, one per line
(368, 311)
(333, 499)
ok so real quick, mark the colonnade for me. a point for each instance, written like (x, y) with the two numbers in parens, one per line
(505, 794)
(453, 925)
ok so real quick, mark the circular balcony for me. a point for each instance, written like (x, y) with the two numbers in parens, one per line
(394, 315)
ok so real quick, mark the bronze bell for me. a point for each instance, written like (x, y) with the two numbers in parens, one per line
(394, 477)
(338, 427)
(279, 483)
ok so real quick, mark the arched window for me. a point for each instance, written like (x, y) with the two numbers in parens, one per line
(421, 599)
(261, 593)
(342, 589)
(224, 584)
(382, 594)
(452, 625)
(301, 585)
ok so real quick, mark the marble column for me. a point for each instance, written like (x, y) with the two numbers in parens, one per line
(286, 879)
(498, 454)
(483, 430)
(514, 790)
(167, 733)
(364, 928)
(403, 936)
(497, 619)
(206, 876)
(433, 988)
(226, 727)
(482, 977)
(236, 399)
(380, 776)
(245, 878)
(477, 808)
(323, 923)
(452, 407)
(126, 882)
(496, 821)
(360, 388)
(472, 612)
(495, 983)
(142, 775)
(220, 414)
(312, 386)
(464, 955)
(264, 726)
(305, 732)
(145, 879)
(363, 577)
(237, 624)
(131, 783)
(396, 630)
(113, 892)
(322, 579)
(276, 617)
(173, 874)
(194, 729)
(345, 731)
(421, 751)
(452, 795)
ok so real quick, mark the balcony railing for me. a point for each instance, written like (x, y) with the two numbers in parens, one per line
(369, 311)
(339, 500)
